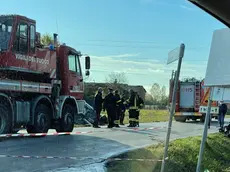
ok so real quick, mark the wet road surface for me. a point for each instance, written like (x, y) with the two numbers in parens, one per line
(90, 151)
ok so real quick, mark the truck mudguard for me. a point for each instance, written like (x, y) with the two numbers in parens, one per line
(62, 101)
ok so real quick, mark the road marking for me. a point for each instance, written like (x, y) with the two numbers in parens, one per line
(77, 158)
(76, 132)
(43, 157)
(132, 159)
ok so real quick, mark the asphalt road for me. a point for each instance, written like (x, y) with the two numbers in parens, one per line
(91, 150)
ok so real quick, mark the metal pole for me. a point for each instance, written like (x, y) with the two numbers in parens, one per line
(205, 131)
(172, 108)
(172, 76)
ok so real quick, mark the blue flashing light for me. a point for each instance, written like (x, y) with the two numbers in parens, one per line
(51, 47)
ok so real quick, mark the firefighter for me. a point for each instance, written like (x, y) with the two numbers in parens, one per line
(131, 102)
(222, 112)
(140, 104)
(118, 108)
(123, 109)
(110, 107)
(98, 101)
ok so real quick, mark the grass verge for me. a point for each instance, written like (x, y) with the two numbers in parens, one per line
(183, 155)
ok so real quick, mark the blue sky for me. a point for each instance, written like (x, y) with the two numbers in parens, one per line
(132, 36)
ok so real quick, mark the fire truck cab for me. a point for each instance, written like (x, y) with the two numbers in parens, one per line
(41, 87)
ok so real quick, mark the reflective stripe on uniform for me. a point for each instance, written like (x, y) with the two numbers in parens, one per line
(133, 107)
(116, 121)
(132, 119)
(135, 101)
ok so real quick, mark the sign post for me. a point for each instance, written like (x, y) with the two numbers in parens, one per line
(176, 54)
(205, 132)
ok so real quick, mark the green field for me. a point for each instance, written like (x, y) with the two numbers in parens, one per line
(183, 155)
(153, 116)
(149, 116)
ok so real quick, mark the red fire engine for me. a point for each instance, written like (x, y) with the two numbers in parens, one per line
(40, 87)
(192, 100)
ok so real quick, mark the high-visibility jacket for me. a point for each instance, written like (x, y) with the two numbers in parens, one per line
(135, 102)
(132, 102)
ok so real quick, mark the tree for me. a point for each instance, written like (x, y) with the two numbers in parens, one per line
(156, 93)
(149, 99)
(159, 94)
(164, 97)
(46, 39)
(117, 78)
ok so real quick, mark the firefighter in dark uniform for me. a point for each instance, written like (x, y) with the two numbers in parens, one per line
(98, 101)
(123, 109)
(131, 102)
(110, 107)
(134, 103)
(118, 108)
(140, 104)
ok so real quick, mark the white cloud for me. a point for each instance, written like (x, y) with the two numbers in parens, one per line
(117, 56)
(142, 72)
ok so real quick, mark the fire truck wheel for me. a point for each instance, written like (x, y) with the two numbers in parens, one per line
(42, 121)
(180, 118)
(5, 121)
(202, 119)
(67, 120)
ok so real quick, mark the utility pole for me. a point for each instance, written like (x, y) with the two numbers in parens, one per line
(172, 76)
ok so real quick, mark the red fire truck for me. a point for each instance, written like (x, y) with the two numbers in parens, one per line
(41, 87)
(192, 100)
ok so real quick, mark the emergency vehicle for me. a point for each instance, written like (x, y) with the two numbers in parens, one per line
(41, 87)
(192, 100)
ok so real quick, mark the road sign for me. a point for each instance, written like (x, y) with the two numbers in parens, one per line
(173, 55)
(217, 72)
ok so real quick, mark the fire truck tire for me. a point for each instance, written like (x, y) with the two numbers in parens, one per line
(202, 119)
(42, 120)
(67, 120)
(5, 120)
(180, 118)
